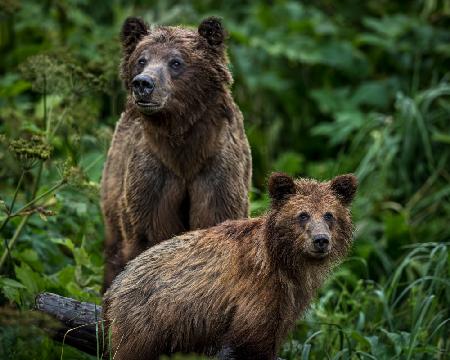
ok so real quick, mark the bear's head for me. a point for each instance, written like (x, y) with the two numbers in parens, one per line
(174, 70)
(310, 221)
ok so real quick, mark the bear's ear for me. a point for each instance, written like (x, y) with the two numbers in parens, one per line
(281, 186)
(344, 188)
(212, 30)
(133, 30)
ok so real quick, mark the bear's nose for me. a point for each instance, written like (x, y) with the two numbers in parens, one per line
(321, 242)
(143, 85)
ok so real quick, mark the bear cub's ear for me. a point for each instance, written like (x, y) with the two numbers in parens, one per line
(133, 30)
(212, 30)
(344, 188)
(281, 186)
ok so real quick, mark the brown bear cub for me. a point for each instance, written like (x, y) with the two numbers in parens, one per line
(179, 159)
(234, 290)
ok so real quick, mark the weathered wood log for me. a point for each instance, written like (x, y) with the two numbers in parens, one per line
(80, 322)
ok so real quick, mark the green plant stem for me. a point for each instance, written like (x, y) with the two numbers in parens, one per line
(11, 206)
(38, 180)
(13, 240)
(49, 191)
(44, 98)
(9, 245)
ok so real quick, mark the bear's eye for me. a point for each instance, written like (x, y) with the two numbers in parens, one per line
(142, 61)
(304, 216)
(175, 64)
(328, 216)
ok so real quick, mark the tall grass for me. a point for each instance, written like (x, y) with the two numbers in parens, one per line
(406, 317)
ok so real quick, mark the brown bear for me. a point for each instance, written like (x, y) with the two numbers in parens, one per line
(236, 288)
(179, 159)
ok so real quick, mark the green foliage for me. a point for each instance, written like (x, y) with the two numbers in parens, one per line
(325, 87)
(399, 319)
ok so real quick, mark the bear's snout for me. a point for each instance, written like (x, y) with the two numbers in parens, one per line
(321, 242)
(143, 85)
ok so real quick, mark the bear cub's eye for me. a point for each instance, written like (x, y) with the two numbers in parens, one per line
(304, 216)
(328, 216)
(142, 61)
(175, 64)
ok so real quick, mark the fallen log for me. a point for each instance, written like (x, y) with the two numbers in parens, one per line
(80, 322)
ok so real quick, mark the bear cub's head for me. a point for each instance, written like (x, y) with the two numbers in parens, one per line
(173, 69)
(309, 220)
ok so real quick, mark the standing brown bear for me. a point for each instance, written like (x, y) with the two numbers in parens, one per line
(238, 287)
(179, 159)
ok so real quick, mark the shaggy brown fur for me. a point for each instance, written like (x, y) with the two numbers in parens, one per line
(179, 159)
(239, 286)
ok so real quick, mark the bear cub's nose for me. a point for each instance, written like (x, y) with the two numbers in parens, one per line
(143, 85)
(321, 242)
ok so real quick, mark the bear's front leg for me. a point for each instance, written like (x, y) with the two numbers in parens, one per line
(218, 193)
(113, 259)
(152, 213)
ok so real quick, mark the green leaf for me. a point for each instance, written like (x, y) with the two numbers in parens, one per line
(81, 257)
(32, 281)
(364, 341)
(30, 257)
(65, 275)
(400, 340)
(64, 242)
(440, 137)
(10, 288)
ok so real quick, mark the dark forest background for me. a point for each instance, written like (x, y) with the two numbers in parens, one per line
(326, 87)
